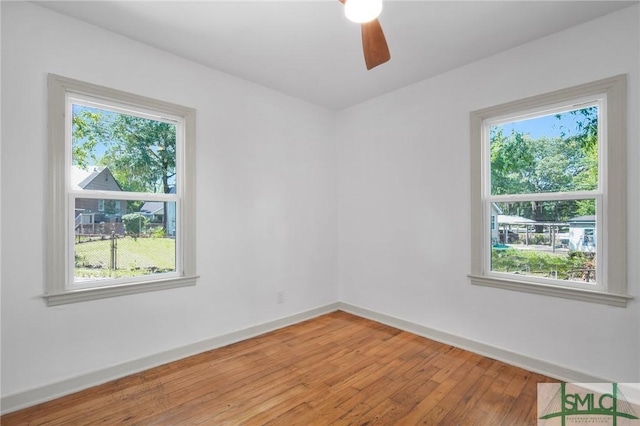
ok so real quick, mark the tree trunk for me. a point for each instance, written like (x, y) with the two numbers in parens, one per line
(538, 215)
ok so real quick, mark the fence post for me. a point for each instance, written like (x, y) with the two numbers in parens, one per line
(113, 264)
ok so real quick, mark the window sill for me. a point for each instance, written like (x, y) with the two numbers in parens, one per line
(604, 298)
(84, 295)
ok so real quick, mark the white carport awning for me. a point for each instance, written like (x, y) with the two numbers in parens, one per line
(514, 220)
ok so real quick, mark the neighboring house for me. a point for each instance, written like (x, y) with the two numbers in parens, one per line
(582, 233)
(154, 210)
(90, 213)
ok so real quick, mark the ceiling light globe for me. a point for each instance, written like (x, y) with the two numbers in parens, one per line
(361, 11)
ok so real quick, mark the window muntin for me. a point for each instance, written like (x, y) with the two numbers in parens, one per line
(608, 221)
(108, 190)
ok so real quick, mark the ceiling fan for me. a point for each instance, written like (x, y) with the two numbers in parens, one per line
(374, 44)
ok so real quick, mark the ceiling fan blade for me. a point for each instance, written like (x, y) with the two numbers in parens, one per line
(374, 44)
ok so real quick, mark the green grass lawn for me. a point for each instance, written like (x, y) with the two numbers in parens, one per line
(134, 257)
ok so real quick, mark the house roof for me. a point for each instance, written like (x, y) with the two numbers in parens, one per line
(81, 178)
(512, 220)
(153, 207)
(583, 219)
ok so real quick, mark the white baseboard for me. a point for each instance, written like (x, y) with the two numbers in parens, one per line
(45, 393)
(512, 358)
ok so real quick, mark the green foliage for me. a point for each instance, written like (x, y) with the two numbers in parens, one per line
(86, 135)
(531, 262)
(141, 153)
(134, 223)
(585, 207)
(134, 206)
(522, 165)
(157, 232)
(586, 127)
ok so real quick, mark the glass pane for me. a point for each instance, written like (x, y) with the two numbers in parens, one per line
(546, 239)
(551, 153)
(119, 152)
(113, 244)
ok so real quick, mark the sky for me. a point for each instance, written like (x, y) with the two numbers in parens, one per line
(549, 126)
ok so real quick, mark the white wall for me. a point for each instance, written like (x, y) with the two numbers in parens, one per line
(266, 204)
(403, 164)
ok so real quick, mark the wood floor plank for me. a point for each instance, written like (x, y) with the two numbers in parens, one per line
(337, 369)
(469, 399)
(523, 413)
(464, 378)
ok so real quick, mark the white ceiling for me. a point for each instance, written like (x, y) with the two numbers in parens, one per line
(309, 50)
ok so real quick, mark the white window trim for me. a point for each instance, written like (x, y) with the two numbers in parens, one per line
(613, 237)
(56, 290)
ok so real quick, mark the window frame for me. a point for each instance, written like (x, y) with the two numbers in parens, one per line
(59, 274)
(612, 190)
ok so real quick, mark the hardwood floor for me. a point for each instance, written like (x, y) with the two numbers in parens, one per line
(337, 369)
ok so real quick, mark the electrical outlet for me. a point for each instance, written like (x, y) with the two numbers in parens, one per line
(280, 298)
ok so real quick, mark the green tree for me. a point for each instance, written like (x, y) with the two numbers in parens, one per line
(134, 223)
(521, 165)
(586, 126)
(586, 133)
(140, 152)
(86, 135)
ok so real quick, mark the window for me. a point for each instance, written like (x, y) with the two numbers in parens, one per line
(121, 208)
(548, 201)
